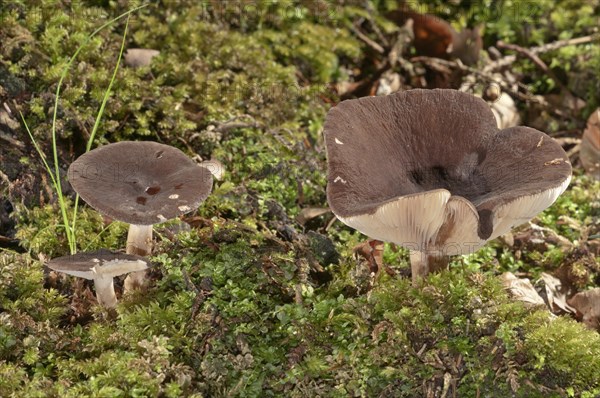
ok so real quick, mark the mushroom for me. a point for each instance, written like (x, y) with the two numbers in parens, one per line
(140, 183)
(430, 171)
(138, 57)
(101, 267)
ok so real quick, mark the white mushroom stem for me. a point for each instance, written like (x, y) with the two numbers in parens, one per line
(422, 263)
(105, 291)
(139, 242)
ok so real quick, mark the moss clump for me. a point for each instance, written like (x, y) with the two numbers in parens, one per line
(553, 364)
(235, 313)
(39, 230)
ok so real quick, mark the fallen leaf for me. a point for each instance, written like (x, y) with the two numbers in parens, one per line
(521, 289)
(309, 213)
(555, 292)
(587, 305)
(372, 251)
(589, 151)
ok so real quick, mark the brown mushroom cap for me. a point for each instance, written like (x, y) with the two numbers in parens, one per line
(96, 264)
(429, 168)
(140, 183)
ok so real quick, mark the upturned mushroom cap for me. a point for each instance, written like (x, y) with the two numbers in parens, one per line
(140, 183)
(102, 263)
(429, 170)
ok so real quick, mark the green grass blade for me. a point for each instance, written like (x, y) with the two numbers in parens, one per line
(55, 182)
(55, 175)
(100, 113)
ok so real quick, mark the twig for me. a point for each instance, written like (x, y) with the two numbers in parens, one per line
(509, 59)
(568, 140)
(375, 46)
(12, 141)
(564, 43)
(536, 60)
(369, 7)
(573, 150)
(440, 64)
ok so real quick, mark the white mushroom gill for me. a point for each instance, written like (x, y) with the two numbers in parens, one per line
(523, 209)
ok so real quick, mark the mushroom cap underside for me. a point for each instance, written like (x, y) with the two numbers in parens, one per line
(140, 183)
(101, 263)
(430, 169)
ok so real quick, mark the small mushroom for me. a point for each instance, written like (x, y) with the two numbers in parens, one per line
(101, 267)
(430, 171)
(140, 183)
(138, 57)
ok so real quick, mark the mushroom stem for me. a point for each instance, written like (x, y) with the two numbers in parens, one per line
(422, 263)
(139, 242)
(105, 291)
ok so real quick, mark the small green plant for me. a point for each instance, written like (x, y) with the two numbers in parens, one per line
(69, 224)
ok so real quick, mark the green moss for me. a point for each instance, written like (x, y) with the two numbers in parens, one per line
(39, 230)
(561, 353)
(250, 336)
(232, 309)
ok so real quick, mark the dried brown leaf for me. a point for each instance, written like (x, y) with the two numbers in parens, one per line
(556, 293)
(587, 305)
(521, 289)
(589, 152)
(372, 251)
(309, 213)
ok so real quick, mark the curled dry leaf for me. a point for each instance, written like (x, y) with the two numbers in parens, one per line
(372, 251)
(587, 305)
(555, 292)
(521, 289)
(309, 213)
(589, 152)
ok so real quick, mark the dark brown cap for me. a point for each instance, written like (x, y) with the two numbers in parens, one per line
(140, 183)
(429, 168)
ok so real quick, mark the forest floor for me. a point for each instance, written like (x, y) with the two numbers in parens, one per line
(262, 292)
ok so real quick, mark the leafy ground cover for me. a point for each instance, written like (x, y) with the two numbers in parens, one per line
(249, 296)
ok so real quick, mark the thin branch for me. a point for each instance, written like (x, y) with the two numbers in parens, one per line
(535, 59)
(375, 46)
(440, 64)
(564, 43)
(509, 59)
